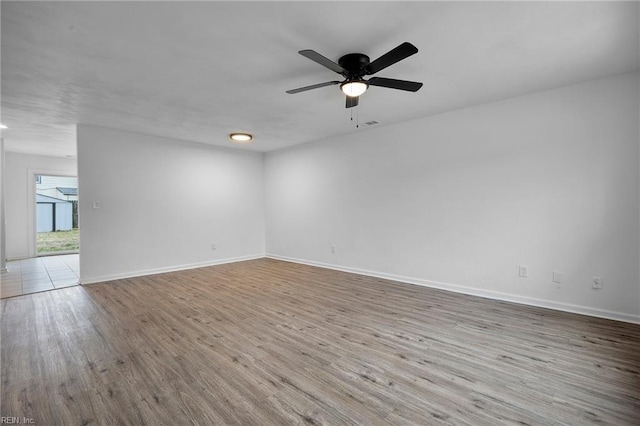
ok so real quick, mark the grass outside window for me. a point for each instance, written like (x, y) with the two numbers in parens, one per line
(58, 241)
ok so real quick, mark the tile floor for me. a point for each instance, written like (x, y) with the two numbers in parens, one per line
(39, 274)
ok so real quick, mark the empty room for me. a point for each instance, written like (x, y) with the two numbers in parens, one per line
(320, 213)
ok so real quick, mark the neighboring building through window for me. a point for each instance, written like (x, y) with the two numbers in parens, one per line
(56, 214)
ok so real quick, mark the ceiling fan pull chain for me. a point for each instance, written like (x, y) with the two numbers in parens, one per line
(357, 116)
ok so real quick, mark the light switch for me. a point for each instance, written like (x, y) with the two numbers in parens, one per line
(95, 205)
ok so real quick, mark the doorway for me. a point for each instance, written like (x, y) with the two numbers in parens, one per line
(56, 215)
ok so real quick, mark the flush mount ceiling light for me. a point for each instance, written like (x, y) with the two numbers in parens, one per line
(354, 87)
(240, 137)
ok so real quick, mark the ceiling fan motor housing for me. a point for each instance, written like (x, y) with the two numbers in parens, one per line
(355, 64)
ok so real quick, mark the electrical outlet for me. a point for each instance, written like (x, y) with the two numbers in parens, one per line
(597, 283)
(523, 271)
(558, 277)
(95, 205)
(333, 249)
(213, 246)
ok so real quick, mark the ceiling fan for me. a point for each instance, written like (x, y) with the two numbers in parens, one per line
(355, 66)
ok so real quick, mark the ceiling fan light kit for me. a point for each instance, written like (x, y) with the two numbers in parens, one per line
(355, 66)
(354, 88)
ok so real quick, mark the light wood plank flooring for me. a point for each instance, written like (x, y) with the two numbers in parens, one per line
(267, 342)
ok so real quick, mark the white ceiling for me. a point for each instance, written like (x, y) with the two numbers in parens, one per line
(199, 70)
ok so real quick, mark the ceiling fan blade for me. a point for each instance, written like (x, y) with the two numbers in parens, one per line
(352, 101)
(409, 86)
(401, 52)
(325, 62)
(313, 86)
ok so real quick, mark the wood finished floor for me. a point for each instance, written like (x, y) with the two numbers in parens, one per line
(267, 342)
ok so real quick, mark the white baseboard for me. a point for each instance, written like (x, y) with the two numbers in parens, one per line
(506, 297)
(13, 259)
(132, 274)
(523, 300)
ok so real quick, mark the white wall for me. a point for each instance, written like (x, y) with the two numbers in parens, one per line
(459, 200)
(20, 197)
(163, 202)
(3, 250)
(638, 93)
